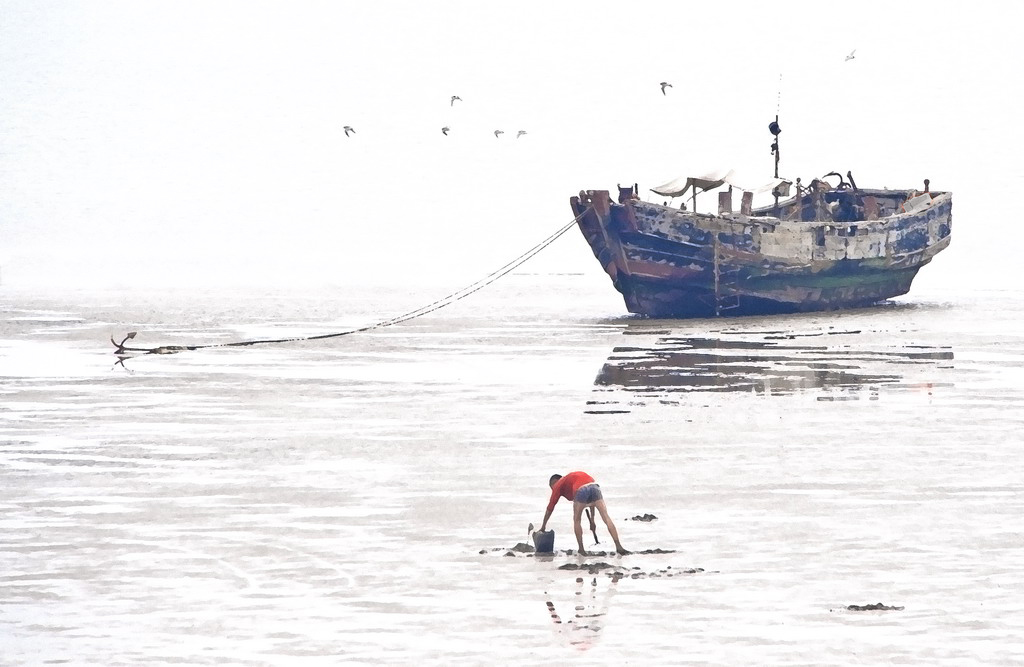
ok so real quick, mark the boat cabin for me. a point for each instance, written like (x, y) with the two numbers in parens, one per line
(820, 201)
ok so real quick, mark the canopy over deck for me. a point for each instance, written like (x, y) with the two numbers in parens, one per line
(712, 180)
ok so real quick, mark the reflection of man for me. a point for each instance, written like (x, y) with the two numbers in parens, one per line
(584, 492)
(584, 629)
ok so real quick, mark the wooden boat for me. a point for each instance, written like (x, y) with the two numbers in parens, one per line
(830, 245)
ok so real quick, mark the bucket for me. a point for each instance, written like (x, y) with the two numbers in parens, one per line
(544, 541)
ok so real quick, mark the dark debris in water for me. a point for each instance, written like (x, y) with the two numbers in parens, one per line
(592, 568)
(613, 570)
(878, 606)
(645, 517)
(530, 552)
(617, 572)
(522, 548)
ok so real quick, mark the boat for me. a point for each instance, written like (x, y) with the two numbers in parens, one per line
(825, 245)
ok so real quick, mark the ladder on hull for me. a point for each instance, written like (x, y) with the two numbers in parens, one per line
(727, 282)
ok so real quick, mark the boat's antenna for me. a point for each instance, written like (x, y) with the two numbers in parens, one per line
(774, 128)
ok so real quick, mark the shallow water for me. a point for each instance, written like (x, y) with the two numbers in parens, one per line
(354, 499)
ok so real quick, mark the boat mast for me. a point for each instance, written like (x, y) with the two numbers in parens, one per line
(774, 128)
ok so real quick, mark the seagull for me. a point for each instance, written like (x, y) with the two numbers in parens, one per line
(348, 128)
(520, 133)
(664, 85)
(444, 130)
(498, 133)
(455, 97)
(850, 57)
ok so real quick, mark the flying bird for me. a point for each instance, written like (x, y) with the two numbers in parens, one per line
(444, 130)
(664, 85)
(520, 133)
(455, 97)
(348, 129)
(850, 57)
(498, 133)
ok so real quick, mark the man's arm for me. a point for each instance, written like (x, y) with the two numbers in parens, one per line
(556, 494)
(547, 515)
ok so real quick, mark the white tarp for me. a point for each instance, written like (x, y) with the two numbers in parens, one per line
(679, 186)
(712, 180)
(771, 185)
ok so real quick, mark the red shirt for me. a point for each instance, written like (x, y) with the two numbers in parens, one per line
(567, 487)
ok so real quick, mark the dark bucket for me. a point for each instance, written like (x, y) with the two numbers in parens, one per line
(544, 541)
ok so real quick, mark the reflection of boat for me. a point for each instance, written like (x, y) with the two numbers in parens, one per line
(769, 363)
(828, 246)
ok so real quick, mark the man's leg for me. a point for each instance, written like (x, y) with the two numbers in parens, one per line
(603, 509)
(577, 525)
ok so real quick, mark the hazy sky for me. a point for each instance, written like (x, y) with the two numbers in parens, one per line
(183, 142)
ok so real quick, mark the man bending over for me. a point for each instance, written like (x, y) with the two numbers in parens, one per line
(584, 492)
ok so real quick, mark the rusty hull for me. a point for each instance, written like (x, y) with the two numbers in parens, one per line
(668, 262)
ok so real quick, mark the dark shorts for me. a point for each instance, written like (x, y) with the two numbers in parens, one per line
(590, 493)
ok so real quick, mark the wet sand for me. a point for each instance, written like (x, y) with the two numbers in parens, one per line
(353, 501)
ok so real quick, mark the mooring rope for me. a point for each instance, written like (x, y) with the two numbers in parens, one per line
(405, 317)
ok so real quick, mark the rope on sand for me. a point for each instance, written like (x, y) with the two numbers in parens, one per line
(123, 350)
